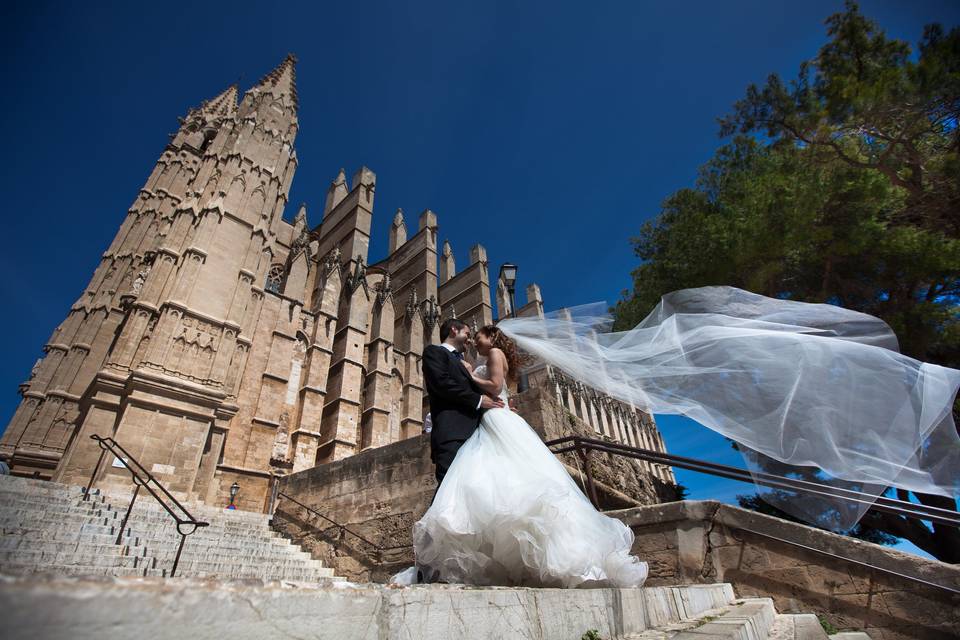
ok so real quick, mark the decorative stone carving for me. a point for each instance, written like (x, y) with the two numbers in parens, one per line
(384, 290)
(413, 306)
(35, 369)
(281, 443)
(331, 262)
(431, 312)
(358, 277)
(141, 278)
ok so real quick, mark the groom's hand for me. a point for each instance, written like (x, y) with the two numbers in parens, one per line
(486, 402)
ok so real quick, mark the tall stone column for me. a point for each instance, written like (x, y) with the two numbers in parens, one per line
(377, 403)
(307, 435)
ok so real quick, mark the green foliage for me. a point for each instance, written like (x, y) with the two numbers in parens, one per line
(851, 195)
(865, 103)
(591, 634)
(771, 220)
(842, 186)
(828, 628)
(704, 620)
(680, 491)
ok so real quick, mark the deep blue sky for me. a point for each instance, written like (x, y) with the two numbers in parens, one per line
(546, 131)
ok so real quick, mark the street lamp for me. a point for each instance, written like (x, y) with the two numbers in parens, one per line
(234, 490)
(508, 273)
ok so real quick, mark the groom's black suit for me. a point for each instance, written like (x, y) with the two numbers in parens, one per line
(454, 405)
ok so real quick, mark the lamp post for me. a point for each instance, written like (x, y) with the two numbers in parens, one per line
(234, 490)
(508, 273)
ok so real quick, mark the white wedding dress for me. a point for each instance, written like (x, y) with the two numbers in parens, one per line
(508, 513)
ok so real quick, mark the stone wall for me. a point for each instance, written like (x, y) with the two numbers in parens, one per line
(378, 494)
(693, 541)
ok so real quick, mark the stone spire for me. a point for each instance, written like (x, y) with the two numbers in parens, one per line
(448, 267)
(336, 192)
(224, 104)
(398, 231)
(281, 83)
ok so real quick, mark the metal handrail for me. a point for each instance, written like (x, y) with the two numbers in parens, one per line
(343, 528)
(879, 503)
(145, 479)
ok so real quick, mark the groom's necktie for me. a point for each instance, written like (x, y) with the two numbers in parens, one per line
(457, 355)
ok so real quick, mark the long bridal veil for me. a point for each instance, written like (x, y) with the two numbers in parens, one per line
(812, 388)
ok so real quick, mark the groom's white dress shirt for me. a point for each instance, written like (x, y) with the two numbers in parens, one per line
(453, 349)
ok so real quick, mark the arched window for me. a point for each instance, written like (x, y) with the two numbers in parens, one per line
(274, 278)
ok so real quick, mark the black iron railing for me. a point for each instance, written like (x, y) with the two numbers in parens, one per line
(186, 523)
(377, 550)
(584, 446)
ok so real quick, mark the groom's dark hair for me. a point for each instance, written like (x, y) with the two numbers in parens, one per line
(450, 324)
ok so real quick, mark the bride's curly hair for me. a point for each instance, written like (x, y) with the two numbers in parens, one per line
(500, 340)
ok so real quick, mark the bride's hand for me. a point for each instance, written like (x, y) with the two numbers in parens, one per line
(489, 402)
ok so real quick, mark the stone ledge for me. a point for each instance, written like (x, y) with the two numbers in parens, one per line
(738, 518)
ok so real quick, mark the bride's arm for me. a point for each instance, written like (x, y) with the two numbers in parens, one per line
(497, 368)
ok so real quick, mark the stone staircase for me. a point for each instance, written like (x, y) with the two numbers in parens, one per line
(47, 527)
(172, 609)
(238, 579)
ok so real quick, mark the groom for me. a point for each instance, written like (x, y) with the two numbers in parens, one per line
(455, 401)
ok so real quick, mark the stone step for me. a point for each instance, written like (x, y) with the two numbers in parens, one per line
(88, 554)
(108, 565)
(11, 499)
(27, 512)
(849, 635)
(747, 619)
(146, 503)
(115, 559)
(797, 626)
(21, 569)
(109, 524)
(13, 484)
(144, 506)
(53, 516)
(235, 546)
(259, 555)
(177, 608)
(162, 571)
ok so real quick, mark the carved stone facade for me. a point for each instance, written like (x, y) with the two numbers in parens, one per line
(218, 343)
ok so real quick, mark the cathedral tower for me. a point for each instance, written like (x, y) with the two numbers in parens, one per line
(149, 352)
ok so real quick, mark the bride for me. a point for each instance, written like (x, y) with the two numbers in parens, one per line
(507, 511)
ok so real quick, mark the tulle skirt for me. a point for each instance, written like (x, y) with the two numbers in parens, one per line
(508, 513)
